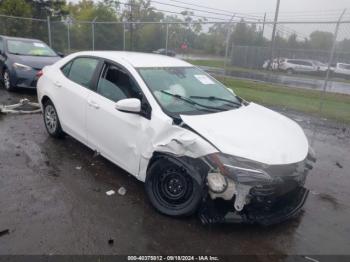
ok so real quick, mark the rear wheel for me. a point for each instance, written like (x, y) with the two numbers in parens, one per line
(7, 80)
(171, 190)
(52, 123)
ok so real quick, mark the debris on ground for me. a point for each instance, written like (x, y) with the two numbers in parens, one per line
(4, 232)
(110, 192)
(122, 191)
(78, 167)
(311, 259)
(110, 241)
(338, 165)
(23, 107)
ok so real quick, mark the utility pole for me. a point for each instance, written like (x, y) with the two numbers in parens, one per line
(93, 33)
(124, 36)
(263, 28)
(273, 37)
(167, 38)
(228, 36)
(49, 30)
(131, 25)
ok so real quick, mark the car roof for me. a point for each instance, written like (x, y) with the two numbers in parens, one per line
(138, 59)
(18, 38)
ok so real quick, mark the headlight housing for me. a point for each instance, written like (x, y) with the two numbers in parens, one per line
(21, 67)
(240, 170)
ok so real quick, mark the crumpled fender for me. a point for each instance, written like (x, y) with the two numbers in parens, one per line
(174, 140)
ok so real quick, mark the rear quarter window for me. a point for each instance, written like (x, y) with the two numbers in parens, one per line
(81, 70)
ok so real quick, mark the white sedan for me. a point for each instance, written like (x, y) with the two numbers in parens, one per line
(192, 141)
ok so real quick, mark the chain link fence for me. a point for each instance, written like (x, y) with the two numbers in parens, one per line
(305, 67)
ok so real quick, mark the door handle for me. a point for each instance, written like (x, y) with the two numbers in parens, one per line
(58, 84)
(93, 104)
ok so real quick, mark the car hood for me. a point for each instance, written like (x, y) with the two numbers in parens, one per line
(253, 132)
(37, 62)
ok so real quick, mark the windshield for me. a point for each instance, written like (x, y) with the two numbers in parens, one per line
(30, 48)
(188, 90)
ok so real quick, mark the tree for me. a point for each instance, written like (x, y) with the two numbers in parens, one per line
(12, 26)
(45, 8)
(321, 40)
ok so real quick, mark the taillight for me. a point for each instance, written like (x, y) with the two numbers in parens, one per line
(39, 74)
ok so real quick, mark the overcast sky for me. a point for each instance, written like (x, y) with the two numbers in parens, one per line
(287, 6)
(290, 10)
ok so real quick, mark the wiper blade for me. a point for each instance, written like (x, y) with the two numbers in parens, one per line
(216, 98)
(190, 101)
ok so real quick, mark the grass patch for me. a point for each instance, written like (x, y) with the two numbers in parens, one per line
(210, 63)
(336, 106)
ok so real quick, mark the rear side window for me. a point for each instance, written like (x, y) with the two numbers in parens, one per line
(65, 70)
(81, 70)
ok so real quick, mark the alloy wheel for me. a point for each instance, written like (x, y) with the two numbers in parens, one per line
(50, 119)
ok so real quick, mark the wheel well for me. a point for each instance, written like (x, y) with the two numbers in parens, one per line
(195, 167)
(45, 99)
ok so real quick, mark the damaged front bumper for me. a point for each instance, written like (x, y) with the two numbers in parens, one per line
(269, 211)
(267, 203)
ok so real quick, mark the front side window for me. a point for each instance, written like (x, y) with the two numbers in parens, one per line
(188, 90)
(81, 70)
(116, 84)
(29, 48)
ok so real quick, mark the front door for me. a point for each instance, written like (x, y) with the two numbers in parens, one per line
(117, 135)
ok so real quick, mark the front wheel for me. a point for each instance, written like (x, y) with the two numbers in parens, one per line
(171, 190)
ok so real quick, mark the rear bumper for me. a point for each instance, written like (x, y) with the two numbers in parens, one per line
(267, 211)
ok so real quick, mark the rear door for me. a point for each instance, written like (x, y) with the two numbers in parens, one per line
(72, 88)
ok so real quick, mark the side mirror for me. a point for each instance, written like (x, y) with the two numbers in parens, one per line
(60, 54)
(129, 105)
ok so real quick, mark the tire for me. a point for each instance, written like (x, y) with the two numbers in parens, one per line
(51, 120)
(171, 190)
(290, 71)
(7, 80)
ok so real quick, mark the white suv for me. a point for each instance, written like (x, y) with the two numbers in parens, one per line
(183, 133)
(292, 66)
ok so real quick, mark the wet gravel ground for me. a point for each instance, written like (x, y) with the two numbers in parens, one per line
(53, 201)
